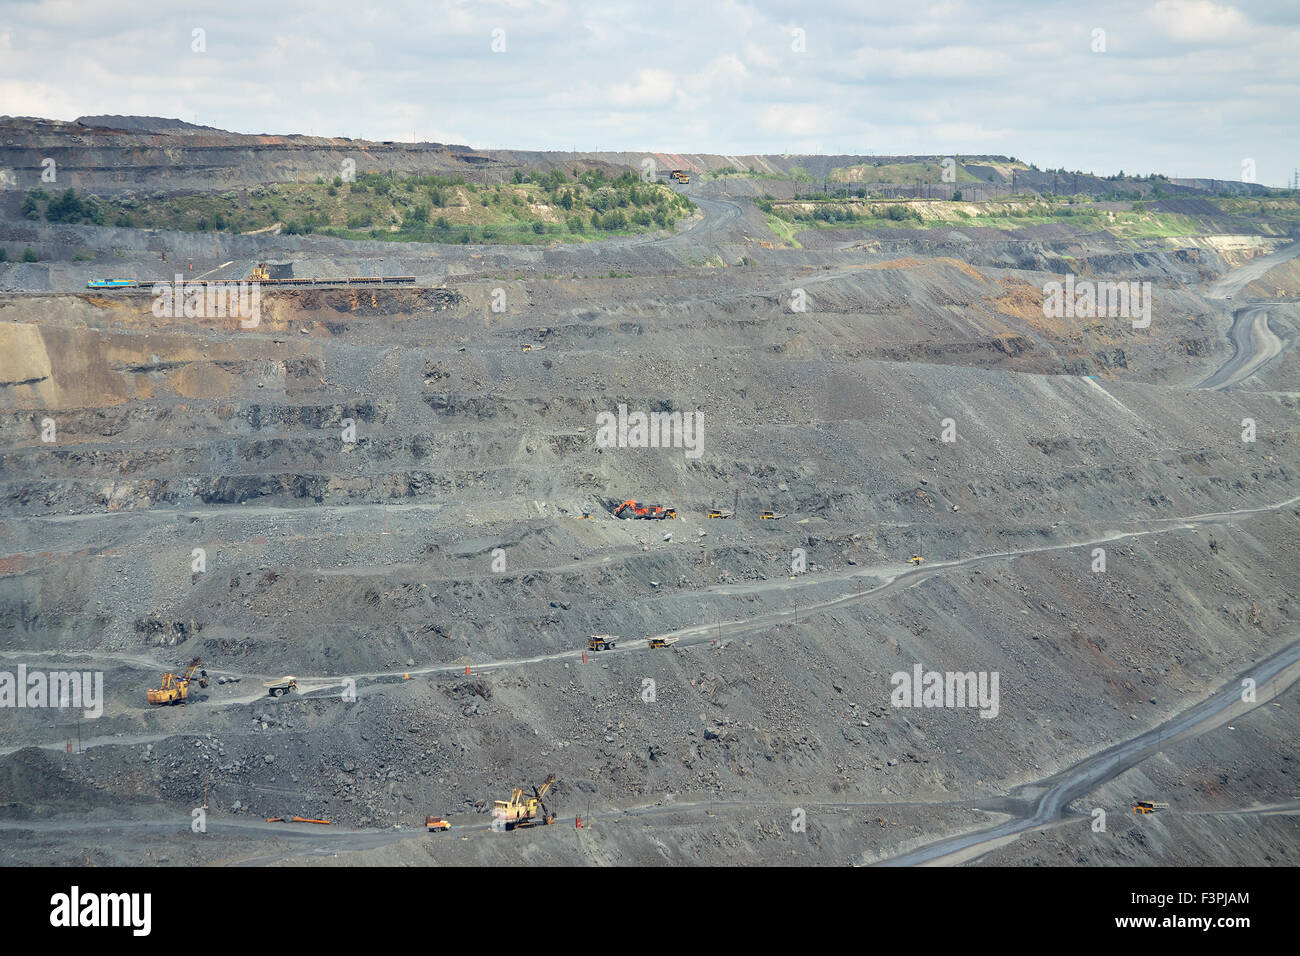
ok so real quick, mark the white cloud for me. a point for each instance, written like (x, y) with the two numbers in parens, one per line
(1198, 21)
(650, 87)
(952, 62)
(725, 74)
(791, 119)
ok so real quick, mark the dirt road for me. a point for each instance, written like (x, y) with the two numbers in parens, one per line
(891, 578)
(1254, 346)
(1254, 343)
(1271, 676)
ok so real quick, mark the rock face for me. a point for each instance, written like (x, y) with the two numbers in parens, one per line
(380, 491)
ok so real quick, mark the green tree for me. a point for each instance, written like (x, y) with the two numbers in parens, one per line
(67, 207)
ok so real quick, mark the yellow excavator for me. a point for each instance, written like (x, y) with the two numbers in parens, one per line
(176, 690)
(521, 811)
(260, 273)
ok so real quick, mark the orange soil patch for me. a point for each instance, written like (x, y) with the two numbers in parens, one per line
(13, 564)
(1023, 301)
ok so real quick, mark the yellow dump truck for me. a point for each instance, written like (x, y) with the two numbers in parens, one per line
(278, 688)
(1148, 806)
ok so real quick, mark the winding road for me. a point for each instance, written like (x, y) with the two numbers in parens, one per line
(887, 579)
(1254, 346)
(1254, 343)
(1272, 676)
(1035, 806)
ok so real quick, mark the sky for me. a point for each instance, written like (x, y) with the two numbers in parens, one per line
(1182, 87)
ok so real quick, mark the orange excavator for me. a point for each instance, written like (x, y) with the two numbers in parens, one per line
(633, 509)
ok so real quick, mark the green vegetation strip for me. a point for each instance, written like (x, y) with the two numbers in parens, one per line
(538, 207)
(1134, 220)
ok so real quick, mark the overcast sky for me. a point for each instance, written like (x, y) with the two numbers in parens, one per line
(1185, 87)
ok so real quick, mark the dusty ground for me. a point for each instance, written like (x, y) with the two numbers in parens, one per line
(373, 561)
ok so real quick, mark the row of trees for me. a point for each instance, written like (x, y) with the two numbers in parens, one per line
(66, 207)
(826, 212)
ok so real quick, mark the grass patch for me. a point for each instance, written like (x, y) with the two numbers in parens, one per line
(783, 230)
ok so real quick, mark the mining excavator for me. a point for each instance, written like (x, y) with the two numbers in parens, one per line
(521, 811)
(628, 509)
(634, 509)
(915, 559)
(176, 690)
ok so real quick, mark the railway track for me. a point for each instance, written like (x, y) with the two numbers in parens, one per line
(103, 284)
